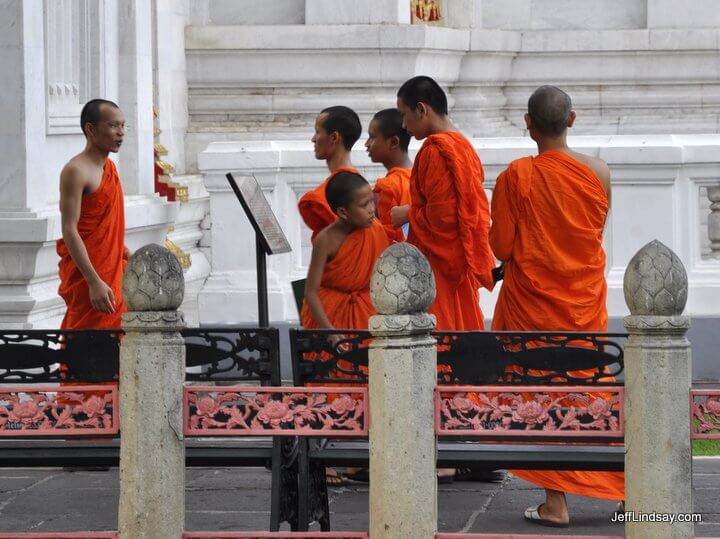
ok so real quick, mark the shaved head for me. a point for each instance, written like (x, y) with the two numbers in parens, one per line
(549, 109)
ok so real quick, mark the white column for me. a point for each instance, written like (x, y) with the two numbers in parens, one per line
(230, 292)
(135, 95)
(357, 12)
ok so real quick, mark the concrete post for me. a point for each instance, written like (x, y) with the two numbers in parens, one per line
(658, 376)
(403, 359)
(152, 372)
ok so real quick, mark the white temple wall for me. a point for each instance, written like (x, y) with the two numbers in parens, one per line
(55, 56)
(269, 82)
(563, 14)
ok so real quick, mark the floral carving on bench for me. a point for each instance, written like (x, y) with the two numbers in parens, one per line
(530, 411)
(705, 410)
(52, 411)
(247, 411)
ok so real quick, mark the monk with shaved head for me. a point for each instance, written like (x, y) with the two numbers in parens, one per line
(548, 216)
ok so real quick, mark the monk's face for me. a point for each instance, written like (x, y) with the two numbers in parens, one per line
(108, 133)
(379, 147)
(416, 121)
(324, 143)
(361, 210)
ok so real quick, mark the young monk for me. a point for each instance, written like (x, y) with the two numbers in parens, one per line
(92, 250)
(387, 143)
(337, 129)
(449, 214)
(337, 291)
(548, 216)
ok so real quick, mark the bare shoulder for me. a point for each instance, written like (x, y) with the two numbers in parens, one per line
(329, 239)
(77, 172)
(597, 165)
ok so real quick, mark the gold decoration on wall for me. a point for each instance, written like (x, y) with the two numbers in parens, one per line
(425, 11)
(182, 257)
(164, 186)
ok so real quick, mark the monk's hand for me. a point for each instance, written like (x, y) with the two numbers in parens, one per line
(399, 215)
(102, 297)
(336, 341)
(126, 253)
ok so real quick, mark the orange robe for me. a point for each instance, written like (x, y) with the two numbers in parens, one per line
(548, 217)
(102, 229)
(449, 223)
(313, 206)
(392, 190)
(345, 286)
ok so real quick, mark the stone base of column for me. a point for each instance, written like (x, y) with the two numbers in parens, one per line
(658, 468)
(152, 451)
(403, 481)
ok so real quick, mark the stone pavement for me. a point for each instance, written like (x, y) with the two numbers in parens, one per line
(46, 500)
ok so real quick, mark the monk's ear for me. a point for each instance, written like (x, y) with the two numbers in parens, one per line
(394, 142)
(571, 118)
(335, 137)
(89, 129)
(528, 121)
(341, 212)
(421, 109)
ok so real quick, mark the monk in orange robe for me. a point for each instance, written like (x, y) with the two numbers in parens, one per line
(387, 143)
(337, 291)
(92, 250)
(337, 129)
(449, 214)
(548, 216)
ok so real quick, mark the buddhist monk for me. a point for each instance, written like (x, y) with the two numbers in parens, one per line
(337, 291)
(548, 216)
(337, 129)
(449, 214)
(92, 250)
(387, 143)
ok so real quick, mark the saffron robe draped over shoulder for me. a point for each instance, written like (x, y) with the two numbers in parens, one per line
(392, 190)
(345, 286)
(102, 229)
(449, 223)
(548, 217)
(313, 207)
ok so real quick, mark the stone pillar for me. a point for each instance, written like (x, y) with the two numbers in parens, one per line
(713, 193)
(658, 376)
(152, 372)
(354, 12)
(403, 359)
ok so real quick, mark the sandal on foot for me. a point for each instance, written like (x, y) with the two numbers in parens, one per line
(532, 514)
(336, 480)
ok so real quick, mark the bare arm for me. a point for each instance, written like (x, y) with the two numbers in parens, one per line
(314, 278)
(400, 215)
(71, 190)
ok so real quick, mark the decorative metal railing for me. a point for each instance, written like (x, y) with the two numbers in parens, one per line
(256, 411)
